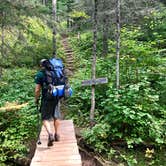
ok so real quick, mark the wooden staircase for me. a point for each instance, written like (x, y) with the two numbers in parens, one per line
(69, 57)
(62, 153)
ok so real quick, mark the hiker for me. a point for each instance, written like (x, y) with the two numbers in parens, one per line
(49, 106)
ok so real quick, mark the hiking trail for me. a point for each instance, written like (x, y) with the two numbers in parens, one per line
(69, 58)
(62, 153)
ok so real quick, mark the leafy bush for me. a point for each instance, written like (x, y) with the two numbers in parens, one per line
(98, 136)
(29, 44)
(154, 28)
(17, 126)
(135, 114)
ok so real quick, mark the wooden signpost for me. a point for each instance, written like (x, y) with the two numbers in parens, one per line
(94, 81)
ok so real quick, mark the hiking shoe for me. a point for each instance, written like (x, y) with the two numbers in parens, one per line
(56, 137)
(50, 140)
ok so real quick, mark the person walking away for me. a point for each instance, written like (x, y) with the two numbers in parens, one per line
(49, 106)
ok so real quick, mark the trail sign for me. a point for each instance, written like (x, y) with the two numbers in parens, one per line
(92, 83)
(95, 81)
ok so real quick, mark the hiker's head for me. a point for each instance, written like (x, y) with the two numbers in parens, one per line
(42, 62)
(45, 64)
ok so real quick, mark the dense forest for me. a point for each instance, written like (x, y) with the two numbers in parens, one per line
(122, 122)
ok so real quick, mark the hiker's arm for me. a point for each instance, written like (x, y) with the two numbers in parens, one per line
(37, 93)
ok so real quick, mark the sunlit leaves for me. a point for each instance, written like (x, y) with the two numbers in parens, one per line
(19, 125)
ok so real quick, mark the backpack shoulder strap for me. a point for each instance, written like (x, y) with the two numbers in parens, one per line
(51, 77)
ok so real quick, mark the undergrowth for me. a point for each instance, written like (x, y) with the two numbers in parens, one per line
(17, 126)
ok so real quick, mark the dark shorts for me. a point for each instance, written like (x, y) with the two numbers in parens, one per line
(49, 109)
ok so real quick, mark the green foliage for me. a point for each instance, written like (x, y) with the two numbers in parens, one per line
(83, 46)
(81, 98)
(17, 83)
(79, 15)
(98, 136)
(27, 35)
(17, 127)
(154, 28)
(32, 44)
(134, 115)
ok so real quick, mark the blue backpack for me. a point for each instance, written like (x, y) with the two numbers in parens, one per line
(56, 79)
(57, 66)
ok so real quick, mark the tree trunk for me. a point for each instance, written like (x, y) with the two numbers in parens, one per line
(69, 9)
(105, 30)
(105, 35)
(54, 4)
(94, 63)
(118, 43)
(44, 2)
(68, 22)
(57, 16)
(2, 41)
(2, 36)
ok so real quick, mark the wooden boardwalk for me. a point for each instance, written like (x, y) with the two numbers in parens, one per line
(62, 153)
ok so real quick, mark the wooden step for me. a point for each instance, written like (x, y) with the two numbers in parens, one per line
(68, 51)
(70, 68)
(69, 55)
(70, 61)
(65, 45)
(69, 65)
(69, 58)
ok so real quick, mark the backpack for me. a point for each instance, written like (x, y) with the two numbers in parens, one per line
(56, 79)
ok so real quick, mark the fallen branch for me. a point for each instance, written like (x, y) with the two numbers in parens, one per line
(13, 106)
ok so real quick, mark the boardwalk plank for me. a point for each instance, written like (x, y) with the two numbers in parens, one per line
(50, 158)
(62, 153)
(59, 163)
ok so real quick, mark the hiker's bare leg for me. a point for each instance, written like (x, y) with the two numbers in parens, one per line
(56, 124)
(46, 124)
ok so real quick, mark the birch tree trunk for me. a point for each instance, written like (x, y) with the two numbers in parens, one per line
(54, 5)
(70, 7)
(2, 41)
(43, 2)
(105, 29)
(68, 10)
(118, 43)
(2, 36)
(94, 62)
